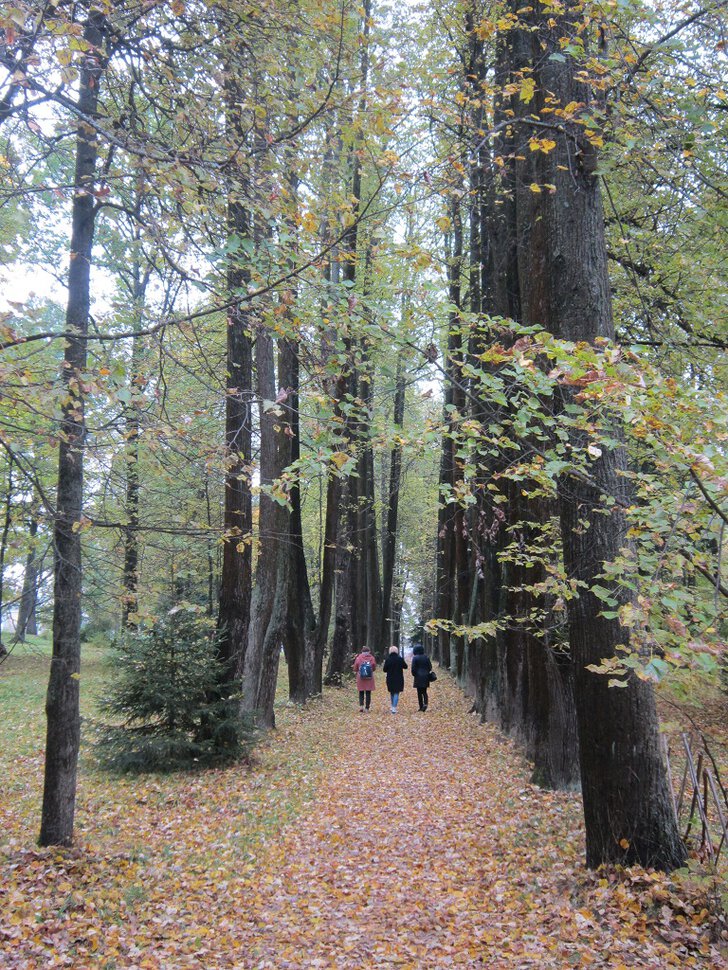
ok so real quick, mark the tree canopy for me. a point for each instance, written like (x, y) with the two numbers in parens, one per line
(340, 321)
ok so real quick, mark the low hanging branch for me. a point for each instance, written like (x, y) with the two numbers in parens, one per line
(713, 580)
(708, 498)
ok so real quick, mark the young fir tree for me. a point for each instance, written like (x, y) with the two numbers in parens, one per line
(170, 709)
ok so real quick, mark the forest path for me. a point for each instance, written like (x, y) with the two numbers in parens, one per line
(356, 841)
(422, 829)
(425, 847)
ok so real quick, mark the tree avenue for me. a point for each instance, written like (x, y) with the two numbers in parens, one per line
(380, 324)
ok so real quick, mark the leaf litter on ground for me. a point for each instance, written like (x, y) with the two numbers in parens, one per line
(376, 840)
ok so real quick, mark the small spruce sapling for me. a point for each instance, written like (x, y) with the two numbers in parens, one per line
(169, 706)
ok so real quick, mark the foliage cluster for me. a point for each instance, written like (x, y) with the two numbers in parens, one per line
(666, 587)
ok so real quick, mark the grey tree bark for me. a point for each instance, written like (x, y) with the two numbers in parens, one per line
(27, 620)
(63, 732)
(237, 556)
(7, 521)
(269, 602)
(565, 289)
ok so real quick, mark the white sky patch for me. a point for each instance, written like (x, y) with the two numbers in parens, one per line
(19, 283)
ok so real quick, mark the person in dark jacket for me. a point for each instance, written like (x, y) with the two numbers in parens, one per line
(394, 667)
(421, 667)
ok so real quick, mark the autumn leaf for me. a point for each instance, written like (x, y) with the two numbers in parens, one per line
(544, 145)
(527, 89)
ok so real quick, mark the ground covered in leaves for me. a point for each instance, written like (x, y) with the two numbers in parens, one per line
(355, 841)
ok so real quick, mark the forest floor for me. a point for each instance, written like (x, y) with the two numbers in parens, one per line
(354, 841)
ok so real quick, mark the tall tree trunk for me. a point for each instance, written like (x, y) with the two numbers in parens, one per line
(316, 644)
(342, 644)
(62, 701)
(396, 611)
(513, 675)
(554, 745)
(327, 586)
(210, 544)
(269, 603)
(371, 587)
(333, 518)
(130, 600)
(389, 544)
(236, 576)
(374, 614)
(484, 667)
(565, 288)
(466, 575)
(27, 621)
(349, 627)
(507, 678)
(8, 518)
(304, 662)
(446, 573)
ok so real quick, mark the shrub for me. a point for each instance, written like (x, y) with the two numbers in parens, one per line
(170, 707)
(100, 628)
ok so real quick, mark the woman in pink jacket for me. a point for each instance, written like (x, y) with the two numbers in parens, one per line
(364, 665)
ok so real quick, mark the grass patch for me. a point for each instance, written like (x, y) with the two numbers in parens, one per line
(157, 843)
(23, 683)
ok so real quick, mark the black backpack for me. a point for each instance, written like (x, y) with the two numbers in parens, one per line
(365, 669)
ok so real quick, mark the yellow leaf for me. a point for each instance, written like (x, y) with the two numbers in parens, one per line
(340, 458)
(528, 89)
(544, 145)
(534, 187)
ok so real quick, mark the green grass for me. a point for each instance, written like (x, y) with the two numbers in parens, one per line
(23, 683)
(31, 661)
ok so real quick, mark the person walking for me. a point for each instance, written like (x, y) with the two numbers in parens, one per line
(394, 667)
(364, 667)
(421, 671)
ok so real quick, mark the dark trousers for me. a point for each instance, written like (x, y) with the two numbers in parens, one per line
(365, 695)
(422, 697)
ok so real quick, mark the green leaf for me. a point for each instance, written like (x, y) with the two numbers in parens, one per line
(604, 594)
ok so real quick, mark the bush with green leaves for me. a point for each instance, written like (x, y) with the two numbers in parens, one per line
(99, 628)
(170, 707)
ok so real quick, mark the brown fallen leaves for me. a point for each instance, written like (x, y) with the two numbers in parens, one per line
(378, 840)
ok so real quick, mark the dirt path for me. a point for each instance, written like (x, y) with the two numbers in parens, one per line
(377, 840)
(425, 847)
